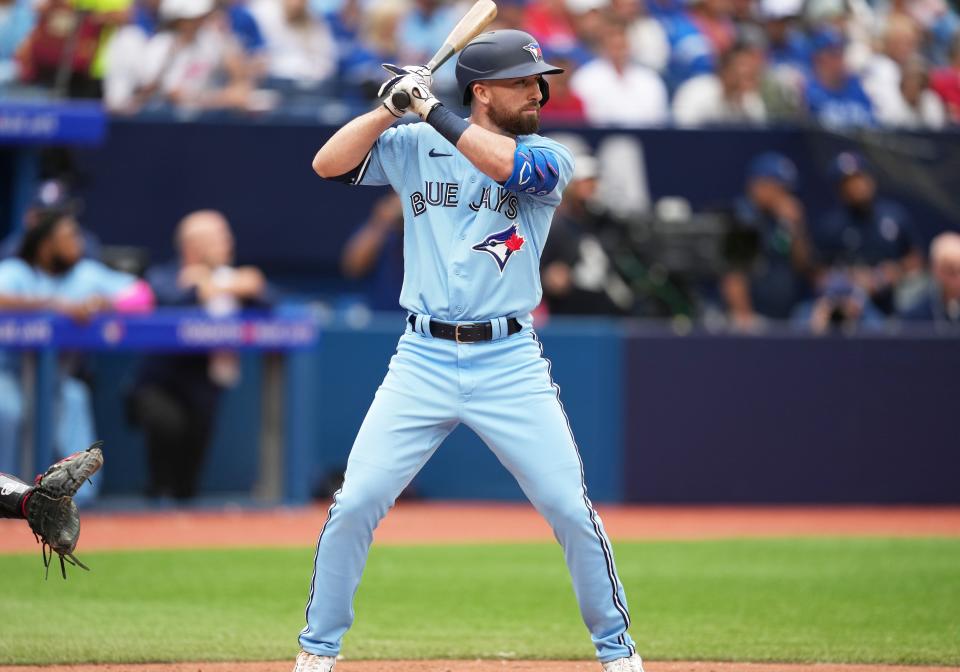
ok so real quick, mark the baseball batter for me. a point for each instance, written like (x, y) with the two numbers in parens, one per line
(478, 197)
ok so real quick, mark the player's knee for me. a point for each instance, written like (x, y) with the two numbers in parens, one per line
(361, 505)
(563, 510)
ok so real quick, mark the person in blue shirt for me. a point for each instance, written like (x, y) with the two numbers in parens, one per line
(834, 98)
(17, 18)
(375, 251)
(770, 273)
(51, 275)
(871, 236)
(691, 53)
(841, 307)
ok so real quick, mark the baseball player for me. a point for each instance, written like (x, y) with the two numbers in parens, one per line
(478, 196)
(48, 505)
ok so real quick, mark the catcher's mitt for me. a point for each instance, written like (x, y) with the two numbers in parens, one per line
(50, 509)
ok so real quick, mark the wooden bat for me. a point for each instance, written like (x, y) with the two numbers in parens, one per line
(472, 24)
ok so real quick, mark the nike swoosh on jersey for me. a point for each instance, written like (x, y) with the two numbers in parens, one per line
(434, 154)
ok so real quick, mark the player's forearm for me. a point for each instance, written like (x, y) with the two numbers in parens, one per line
(348, 146)
(490, 152)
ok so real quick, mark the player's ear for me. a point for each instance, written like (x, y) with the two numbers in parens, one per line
(481, 93)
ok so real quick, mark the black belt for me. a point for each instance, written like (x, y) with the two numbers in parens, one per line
(471, 332)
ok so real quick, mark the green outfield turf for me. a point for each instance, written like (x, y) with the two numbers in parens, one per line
(843, 600)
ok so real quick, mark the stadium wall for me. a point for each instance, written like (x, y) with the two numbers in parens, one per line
(658, 417)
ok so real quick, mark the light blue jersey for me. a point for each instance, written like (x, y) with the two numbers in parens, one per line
(471, 254)
(74, 414)
(471, 248)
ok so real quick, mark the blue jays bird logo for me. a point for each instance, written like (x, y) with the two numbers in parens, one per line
(501, 246)
(535, 51)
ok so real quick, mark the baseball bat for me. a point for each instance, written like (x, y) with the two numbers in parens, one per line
(472, 24)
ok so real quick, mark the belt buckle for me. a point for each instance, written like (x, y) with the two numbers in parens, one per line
(456, 334)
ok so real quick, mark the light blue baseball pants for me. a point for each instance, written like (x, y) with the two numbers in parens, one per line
(501, 389)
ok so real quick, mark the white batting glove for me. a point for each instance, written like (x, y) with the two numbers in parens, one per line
(388, 88)
(422, 100)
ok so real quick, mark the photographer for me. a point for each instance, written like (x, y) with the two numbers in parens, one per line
(842, 307)
(771, 278)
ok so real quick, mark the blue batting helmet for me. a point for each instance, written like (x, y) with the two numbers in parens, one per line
(502, 54)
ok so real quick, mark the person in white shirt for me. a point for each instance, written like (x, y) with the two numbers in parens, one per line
(648, 40)
(615, 90)
(195, 62)
(732, 96)
(899, 72)
(300, 47)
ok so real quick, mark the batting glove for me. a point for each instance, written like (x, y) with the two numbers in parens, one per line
(422, 100)
(397, 73)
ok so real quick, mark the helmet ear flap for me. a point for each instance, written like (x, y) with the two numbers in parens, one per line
(544, 90)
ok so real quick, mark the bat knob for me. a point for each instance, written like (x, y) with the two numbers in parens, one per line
(400, 100)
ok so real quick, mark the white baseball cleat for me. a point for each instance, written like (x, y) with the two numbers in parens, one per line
(309, 662)
(631, 664)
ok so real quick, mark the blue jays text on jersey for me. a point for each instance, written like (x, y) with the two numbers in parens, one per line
(471, 246)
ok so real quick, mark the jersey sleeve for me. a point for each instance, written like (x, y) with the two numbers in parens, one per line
(13, 274)
(564, 163)
(385, 164)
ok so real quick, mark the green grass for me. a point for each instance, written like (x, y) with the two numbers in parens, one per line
(842, 600)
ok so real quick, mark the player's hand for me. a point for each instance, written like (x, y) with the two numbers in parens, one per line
(422, 100)
(397, 73)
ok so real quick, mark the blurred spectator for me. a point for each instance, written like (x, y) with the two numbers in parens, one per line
(936, 18)
(51, 195)
(648, 40)
(300, 47)
(946, 82)
(691, 51)
(870, 236)
(577, 274)
(123, 77)
(941, 302)
(787, 45)
(565, 107)
(589, 17)
(841, 307)
(615, 90)
(424, 27)
(769, 274)
(375, 43)
(17, 18)
(714, 20)
(730, 97)
(896, 80)
(245, 26)
(376, 249)
(510, 15)
(551, 22)
(65, 50)
(834, 97)
(50, 275)
(787, 59)
(176, 397)
(195, 62)
(852, 19)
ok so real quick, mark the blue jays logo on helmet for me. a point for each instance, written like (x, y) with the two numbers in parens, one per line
(502, 245)
(535, 51)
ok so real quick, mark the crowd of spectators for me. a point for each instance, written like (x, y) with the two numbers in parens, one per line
(859, 265)
(839, 63)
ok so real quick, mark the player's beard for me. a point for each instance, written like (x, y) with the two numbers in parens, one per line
(515, 123)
